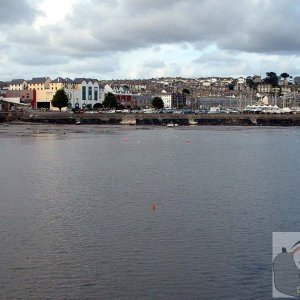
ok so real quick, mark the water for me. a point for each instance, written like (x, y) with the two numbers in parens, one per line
(76, 220)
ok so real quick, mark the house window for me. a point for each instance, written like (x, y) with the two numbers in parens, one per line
(84, 93)
(90, 93)
(95, 93)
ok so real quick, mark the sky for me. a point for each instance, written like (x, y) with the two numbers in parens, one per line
(141, 39)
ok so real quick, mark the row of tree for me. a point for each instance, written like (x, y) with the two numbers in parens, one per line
(271, 78)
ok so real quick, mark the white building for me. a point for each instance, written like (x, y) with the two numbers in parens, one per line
(86, 91)
(166, 98)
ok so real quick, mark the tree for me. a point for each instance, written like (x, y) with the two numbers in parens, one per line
(97, 106)
(272, 79)
(157, 102)
(231, 86)
(284, 75)
(60, 99)
(250, 82)
(110, 101)
(185, 91)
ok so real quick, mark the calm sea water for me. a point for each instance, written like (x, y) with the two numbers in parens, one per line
(76, 217)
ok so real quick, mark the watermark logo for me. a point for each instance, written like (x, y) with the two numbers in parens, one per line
(286, 264)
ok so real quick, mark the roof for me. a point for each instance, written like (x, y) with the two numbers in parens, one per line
(58, 80)
(3, 84)
(69, 80)
(79, 80)
(91, 79)
(38, 80)
(17, 81)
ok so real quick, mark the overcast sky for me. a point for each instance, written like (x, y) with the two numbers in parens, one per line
(119, 39)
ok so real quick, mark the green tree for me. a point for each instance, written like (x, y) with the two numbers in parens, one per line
(60, 99)
(249, 81)
(110, 101)
(157, 102)
(272, 79)
(231, 86)
(97, 106)
(284, 75)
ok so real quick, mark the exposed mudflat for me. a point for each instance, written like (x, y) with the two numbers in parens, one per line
(23, 129)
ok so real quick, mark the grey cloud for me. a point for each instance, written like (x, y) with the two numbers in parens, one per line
(95, 34)
(92, 66)
(26, 35)
(217, 57)
(250, 26)
(16, 11)
(29, 58)
(154, 63)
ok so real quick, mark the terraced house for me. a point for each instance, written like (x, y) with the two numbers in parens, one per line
(18, 85)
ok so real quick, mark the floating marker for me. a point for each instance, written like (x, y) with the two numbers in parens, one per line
(153, 206)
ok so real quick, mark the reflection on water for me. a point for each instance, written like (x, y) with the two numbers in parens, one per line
(77, 222)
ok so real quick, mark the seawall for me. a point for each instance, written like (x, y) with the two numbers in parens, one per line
(155, 119)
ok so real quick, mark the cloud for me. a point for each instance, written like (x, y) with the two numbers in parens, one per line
(153, 63)
(16, 11)
(149, 37)
(250, 26)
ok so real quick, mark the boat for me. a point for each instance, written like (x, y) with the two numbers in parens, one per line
(171, 124)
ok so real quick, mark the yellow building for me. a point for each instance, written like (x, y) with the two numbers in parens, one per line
(39, 84)
(44, 98)
(17, 85)
(61, 83)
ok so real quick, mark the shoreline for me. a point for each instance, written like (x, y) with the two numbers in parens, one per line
(153, 119)
(34, 129)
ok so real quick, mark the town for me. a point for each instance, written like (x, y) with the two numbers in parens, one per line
(210, 94)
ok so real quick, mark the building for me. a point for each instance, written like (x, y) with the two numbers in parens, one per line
(18, 85)
(297, 80)
(142, 100)
(264, 88)
(86, 92)
(178, 100)
(256, 79)
(38, 84)
(25, 96)
(122, 93)
(61, 83)
(166, 98)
